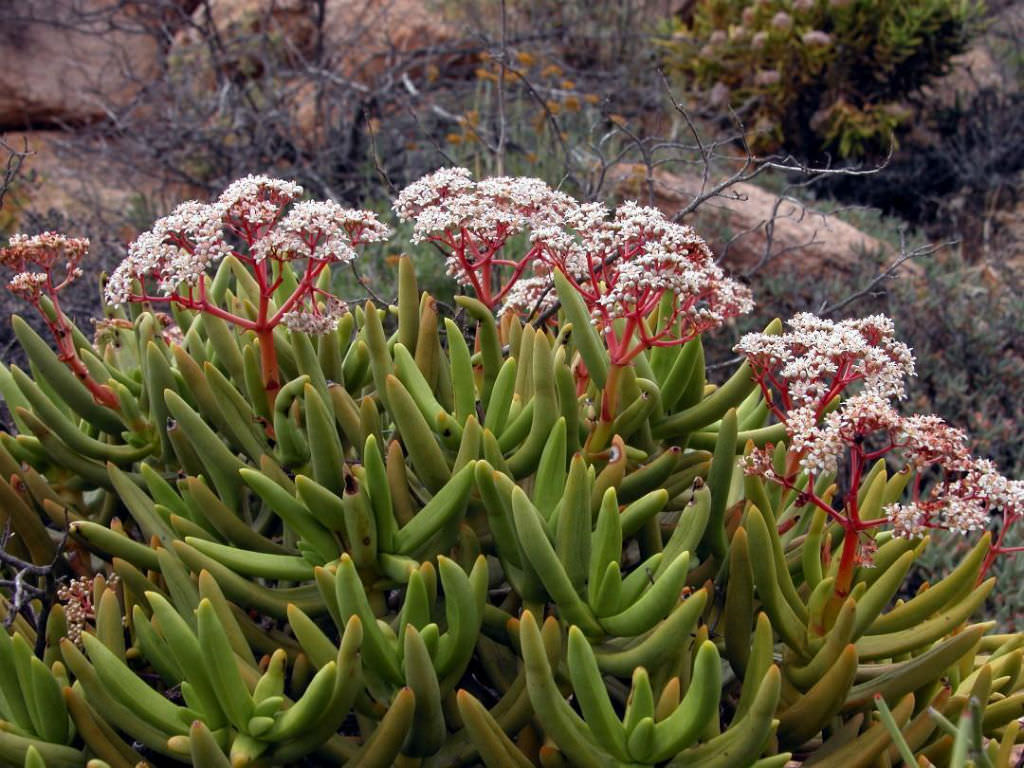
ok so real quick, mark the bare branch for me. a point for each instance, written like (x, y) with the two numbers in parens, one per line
(500, 94)
(886, 274)
(12, 166)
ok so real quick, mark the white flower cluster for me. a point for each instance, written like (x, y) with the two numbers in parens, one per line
(530, 295)
(579, 243)
(1001, 493)
(317, 321)
(967, 494)
(927, 439)
(623, 263)
(968, 502)
(180, 247)
(253, 203)
(319, 230)
(432, 190)
(635, 257)
(863, 415)
(818, 358)
(474, 219)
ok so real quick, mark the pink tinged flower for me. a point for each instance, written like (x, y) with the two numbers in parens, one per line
(927, 439)
(782, 21)
(908, 520)
(530, 296)
(760, 462)
(816, 39)
(758, 40)
(767, 77)
(363, 227)
(318, 320)
(322, 231)
(253, 203)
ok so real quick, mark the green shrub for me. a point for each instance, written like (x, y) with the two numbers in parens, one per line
(817, 76)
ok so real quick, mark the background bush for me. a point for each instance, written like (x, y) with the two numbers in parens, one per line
(821, 76)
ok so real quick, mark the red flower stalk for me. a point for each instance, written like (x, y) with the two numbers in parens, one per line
(473, 222)
(169, 263)
(647, 281)
(45, 265)
(802, 374)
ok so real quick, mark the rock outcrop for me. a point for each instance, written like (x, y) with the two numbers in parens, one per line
(748, 227)
(66, 63)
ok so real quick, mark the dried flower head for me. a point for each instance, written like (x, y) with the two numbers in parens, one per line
(77, 598)
(44, 264)
(318, 320)
(43, 251)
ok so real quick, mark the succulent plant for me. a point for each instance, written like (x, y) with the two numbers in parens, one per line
(409, 539)
(833, 76)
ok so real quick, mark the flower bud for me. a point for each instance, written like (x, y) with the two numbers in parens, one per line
(782, 21)
(767, 77)
(816, 39)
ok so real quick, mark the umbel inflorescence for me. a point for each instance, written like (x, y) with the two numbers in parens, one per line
(805, 374)
(647, 282)
(255, 525)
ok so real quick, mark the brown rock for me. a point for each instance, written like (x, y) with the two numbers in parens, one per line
(361, 37)
(748, 226)
(57, 175)
(357, 45)
(63, 66)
